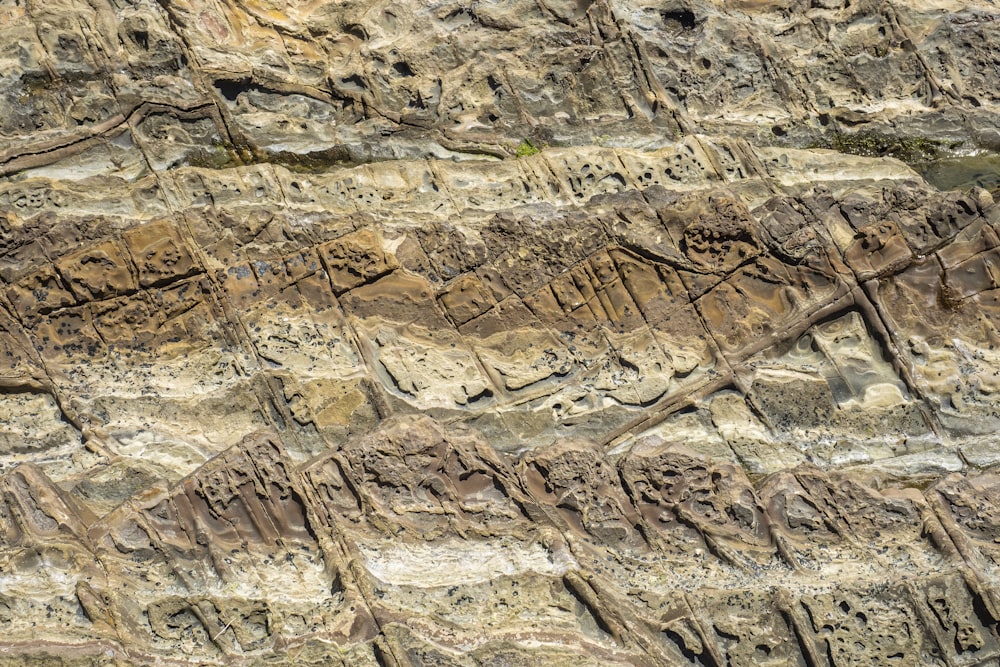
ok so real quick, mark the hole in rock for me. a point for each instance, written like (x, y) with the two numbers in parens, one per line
(402, 69)
(141, 38)
(356, 30)
(231, 88)
(685, 17)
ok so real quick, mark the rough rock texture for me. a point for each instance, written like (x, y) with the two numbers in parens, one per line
(308, 355)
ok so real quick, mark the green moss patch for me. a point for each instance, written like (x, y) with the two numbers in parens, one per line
(869, 143)
(526, 148)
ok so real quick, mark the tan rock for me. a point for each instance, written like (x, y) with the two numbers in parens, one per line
(343, 333)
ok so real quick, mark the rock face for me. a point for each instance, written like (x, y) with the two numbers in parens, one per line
(495, 333)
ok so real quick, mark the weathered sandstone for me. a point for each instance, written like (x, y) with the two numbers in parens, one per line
(497, 333)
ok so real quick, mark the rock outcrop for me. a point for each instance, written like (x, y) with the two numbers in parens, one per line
(418, 543)
(496, 333)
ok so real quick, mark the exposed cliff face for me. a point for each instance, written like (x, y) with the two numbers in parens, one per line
(308, 355)
(419, 544)
(310, 83)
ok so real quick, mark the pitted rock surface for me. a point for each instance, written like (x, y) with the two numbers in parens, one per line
(496, 333)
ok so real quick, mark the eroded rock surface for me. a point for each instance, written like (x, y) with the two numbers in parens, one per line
(309, 355)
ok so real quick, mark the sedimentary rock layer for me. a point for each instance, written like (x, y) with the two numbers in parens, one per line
(420, 544)
(495, 333)
(579, 292)
(633, 344)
